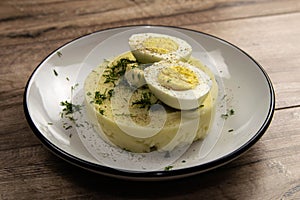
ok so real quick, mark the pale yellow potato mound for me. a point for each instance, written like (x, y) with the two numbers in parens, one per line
(105, 112)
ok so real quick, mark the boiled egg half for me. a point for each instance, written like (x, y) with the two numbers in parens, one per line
(178, 84)
(154, 47)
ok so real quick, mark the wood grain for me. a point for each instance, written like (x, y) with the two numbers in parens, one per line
(52, 16)
(266, 29)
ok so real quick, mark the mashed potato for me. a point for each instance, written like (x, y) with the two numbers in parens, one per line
(120, 112)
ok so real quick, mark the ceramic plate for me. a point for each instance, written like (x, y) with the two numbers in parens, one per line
(244, 108)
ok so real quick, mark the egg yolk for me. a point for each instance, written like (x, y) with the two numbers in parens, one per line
(178, 78)
(160, 45)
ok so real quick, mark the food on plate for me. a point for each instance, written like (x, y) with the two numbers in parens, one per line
(130, 100)
(178, 84)
(153, 47)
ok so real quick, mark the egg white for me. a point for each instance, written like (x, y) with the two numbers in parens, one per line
(184, 99)
(144, 55)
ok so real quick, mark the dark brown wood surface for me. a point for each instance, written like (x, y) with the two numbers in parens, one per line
(269, 30)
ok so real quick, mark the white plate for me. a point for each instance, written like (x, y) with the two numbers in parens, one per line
(244, 88)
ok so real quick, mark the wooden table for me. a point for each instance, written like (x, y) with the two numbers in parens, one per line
(269, 30)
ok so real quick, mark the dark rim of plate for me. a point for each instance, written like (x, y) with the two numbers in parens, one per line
(153, 175)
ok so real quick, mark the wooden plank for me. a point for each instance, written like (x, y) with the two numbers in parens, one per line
(52, 16)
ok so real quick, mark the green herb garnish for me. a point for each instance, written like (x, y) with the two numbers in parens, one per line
(55, 72)
(145, 100)
(224, 96)
(68, 127)
(101, 111)
(229, 113)
(67, 112)
(168, 168)
(114, 72)
(69, 108)
(224, 116)
(74, 87)
(110, 93)
(99, 98)
(59, 53)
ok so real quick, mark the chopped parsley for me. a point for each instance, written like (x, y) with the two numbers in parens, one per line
(110, 93)
(100, 97)
(224, 116)
(68, 127)
(67, 112)
(101, 111)
(69, 108)
(145, 101)
(55, 72)
(113, 73)
(224, 96)
(74, 87)
(168, 168)
(229, 113)
(59, 54)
